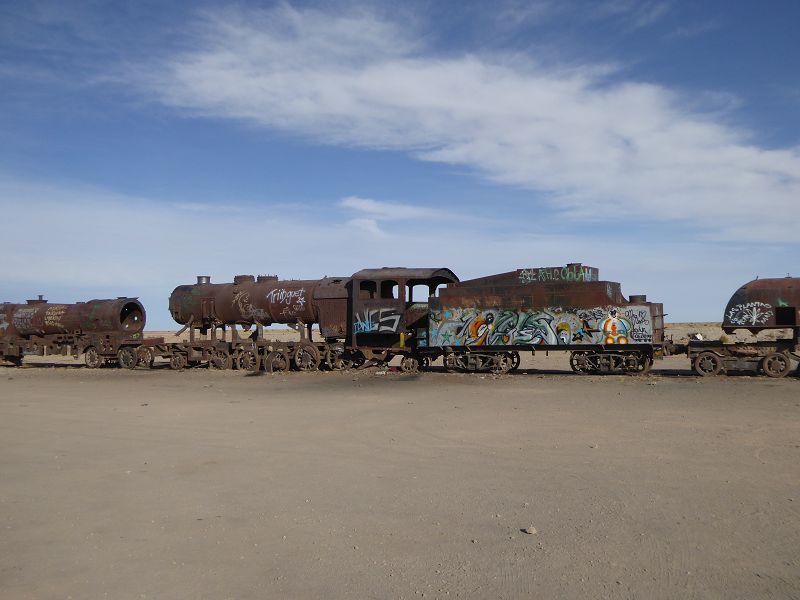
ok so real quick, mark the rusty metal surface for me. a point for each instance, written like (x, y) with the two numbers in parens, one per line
(764, 304)
(259, 301)
(439, 275)
(569, 273)
(39, 317)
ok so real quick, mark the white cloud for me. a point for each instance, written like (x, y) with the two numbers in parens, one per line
(597, 147)
(370, 227)
(637, 13)
(394, 211)
(695, 29)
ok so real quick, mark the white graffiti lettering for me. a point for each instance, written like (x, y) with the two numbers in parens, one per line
(295, 300)
(566, 273)
(22, 318)
(751, 313)
(381, 320)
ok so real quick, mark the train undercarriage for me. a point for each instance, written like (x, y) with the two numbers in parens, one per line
(771, 358)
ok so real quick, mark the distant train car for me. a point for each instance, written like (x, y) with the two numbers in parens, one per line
(102, 330)
(759, 305)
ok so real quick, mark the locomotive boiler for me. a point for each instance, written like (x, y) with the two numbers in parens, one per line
(39, 317)
(262, 301)
(102, 329)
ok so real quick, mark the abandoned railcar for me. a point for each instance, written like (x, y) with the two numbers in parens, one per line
(757, 306)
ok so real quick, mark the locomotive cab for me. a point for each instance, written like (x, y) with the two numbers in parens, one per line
(389, 306)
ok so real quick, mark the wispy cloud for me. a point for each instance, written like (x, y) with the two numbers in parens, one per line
(394, 211)
(370, 227)
(636, 14)
(694, 29)
(526, 12)
(595, 146)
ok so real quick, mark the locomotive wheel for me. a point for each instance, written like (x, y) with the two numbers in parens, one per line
(578, 361)
(637, 364)
(461, 362)
(336, 362)
(127, 358)
(336, 358)
(306, 357)
(707, 364)
(776, 364)
(144, 357)
(276, 361)
(409, 364)
(502, 363)
(220, 360)
(92, 358)
(515, 360)
(178, 362)
(247, 360)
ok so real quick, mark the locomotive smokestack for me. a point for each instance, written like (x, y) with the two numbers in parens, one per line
(201, 279)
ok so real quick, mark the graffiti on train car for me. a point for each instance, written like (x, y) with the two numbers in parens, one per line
(750, 313)
(548, 327)
(377, 320)
(23, 317)
(294, 301)
(241, 299)
(54, 314)
(571, 272)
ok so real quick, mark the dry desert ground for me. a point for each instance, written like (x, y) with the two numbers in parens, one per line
(154, 484)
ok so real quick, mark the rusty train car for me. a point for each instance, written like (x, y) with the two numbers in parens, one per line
(483, 323)
(101, 330)
(757, 306)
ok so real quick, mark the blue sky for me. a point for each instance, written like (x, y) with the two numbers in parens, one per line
(143, 143)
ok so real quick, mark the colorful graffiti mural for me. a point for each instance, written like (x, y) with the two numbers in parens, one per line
(544, 327)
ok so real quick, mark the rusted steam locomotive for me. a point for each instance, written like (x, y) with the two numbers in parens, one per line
(101, 330)
(420, 315)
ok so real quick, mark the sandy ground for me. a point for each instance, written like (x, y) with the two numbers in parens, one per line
(205, 484)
